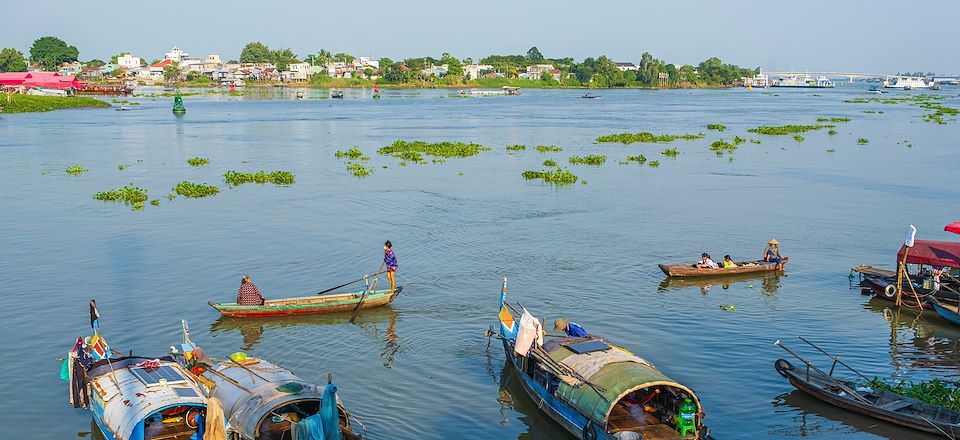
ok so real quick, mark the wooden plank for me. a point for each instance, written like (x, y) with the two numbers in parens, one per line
(896, 405)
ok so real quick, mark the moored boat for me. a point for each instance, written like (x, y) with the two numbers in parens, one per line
(594, 389)
(310, 305)
(877, 403)
(946, 310)
(919, 282)
(690, 270)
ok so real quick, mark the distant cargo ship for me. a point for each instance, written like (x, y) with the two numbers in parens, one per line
(906, 82)
(805, 81)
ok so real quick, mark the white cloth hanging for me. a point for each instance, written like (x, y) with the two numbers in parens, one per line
(529, 332)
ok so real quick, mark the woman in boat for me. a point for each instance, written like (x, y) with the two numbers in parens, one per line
(772, 254)
(706, 262)
(728, 262)
(248, 295)
(390, 261)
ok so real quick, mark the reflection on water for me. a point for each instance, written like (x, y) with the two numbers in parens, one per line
(919, 339)
(811, 418)
(512, 397)
(769, 282)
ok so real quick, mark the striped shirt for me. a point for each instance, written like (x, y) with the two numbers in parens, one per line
(249, 295)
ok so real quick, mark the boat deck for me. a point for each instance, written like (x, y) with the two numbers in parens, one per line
(633, 418)
(870, 270)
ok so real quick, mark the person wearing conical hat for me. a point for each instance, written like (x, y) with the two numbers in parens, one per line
(772, 254)
(570, 328)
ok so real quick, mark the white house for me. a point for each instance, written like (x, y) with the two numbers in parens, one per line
(175, 54)
(473, 71)
(128, 62)
(626, 66)
(372, 63)
(297, 72)
(213, 59)
(437, 71)
(536, 71)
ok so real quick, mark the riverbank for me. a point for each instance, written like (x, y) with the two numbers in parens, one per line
(496, 83)
(14, 103)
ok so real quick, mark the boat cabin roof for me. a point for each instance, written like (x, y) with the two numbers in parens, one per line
(129, 394)
(932, 253)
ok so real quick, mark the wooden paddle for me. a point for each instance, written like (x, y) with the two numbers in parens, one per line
(372, 286)
(349, 283)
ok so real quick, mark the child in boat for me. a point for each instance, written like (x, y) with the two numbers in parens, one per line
(728, 262)
(772, 254)
(390, 261)
(248, 295)
(706, 263)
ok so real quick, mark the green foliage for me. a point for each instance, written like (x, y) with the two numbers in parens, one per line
(171, 72)
(737, 140)
(51, 52)
(441, 149)
(155, 202)
(787, 129)
(283, 58)
(721, 146)
(352, 153)
(123, 166)
(357, 169)
(937, 392)
(833, 119)
(798, 138)
(16, 103)
(646, 137)
(195, 190)
(256, 52)
(754, 141)
(454, 68)
(718, 127)
(670, 152)
(558, 176)
(236, 178)
(548, 149)
(171, 196)
(76, 170)
(130, 195)
(832, 132)
(412, 156)
(549, 163)
(640, 159)
(590, 159)
(516, 147)
(534, 55)
(654, 164)
(863, 141)
(11, 60)
(198, 161)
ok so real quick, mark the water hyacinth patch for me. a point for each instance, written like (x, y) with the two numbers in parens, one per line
(558, 176)
(155, 202)
(754, 141)
(833, 119)
(412, 156)
(721, 146)
(549, 163)
(737, 140)
(940, 393)
(516, 147)
(670, 152)
(832, 132)
(863, 141)
(358, 169)
(654, 164)
(352, 153)
(798, 138)
(718, 127)
(590, 159)
(123, 166)
(76, 170)
(548, 149)
(787, 129)
(171, 196)
(198, 161)
(647, 137)
(640, 159)
(195, 190)
(442, 149)
(235, 178)
(130, 195)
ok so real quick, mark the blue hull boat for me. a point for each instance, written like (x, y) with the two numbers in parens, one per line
(945, 310)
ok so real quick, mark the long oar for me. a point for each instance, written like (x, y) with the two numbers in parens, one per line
(372, 286)
(348, 283)
(835, 358)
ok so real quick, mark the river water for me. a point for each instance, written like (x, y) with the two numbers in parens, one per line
(421, 368)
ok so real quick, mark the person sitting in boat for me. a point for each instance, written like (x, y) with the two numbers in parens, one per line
(570, 328)
(706, 263)
(772, 254)
(248, 295)
(728, 262)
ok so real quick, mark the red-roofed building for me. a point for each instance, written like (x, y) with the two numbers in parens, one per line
(47, 80)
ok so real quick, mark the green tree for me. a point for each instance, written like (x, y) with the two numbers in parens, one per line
(256, 52)
(320, 59)
(395, 73)
(172, 72)
(344, 57)
(50, 52)
(11, 60)
(606, 74)
(534, 55)
(119, 72)
(95, 63)
(454, 68)
(113, 59)
(283, 58)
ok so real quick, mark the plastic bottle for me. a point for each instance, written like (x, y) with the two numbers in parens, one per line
(685, 421)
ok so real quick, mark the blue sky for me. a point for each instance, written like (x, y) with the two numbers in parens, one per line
(811, 35)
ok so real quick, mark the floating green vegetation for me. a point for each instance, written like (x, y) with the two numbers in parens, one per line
(939, 393)
(171, 196)
(787, 129)
(721, 146)
(670, 152)
(833, 119)
(441, 149)
(549, 163)
(558, 176)
(754, 141)
(438, 160)
(517, 147)
(195, 190)
(412, 156)
(402, 163)
(155, 202)
(130, 195)
(869, 111)
(548, 149)
(798, 138)
(460, 173)
(357, 169)
(198, 161)
(831, 150)
(17, 103)
(863, 141)
(76, 170)
(352, 153)
(938, 111)
(737, 140)
(647, 137)
(654, 164)
(718, 127)
(583, 182)
(832, 132)
(931, 103)
(640, 159)
(590, 159)
(234, 178)
(123, 166)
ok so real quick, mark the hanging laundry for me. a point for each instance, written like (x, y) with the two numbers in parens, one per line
(529, 332)
(214, 426)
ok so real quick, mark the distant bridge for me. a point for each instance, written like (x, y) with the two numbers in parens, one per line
(849, 75)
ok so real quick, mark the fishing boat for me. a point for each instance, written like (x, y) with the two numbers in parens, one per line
(133, 397)
(590, 96)
(310, 305)
(875, 90)
(877, 403)
(946, 310)
(690, 270)
(595, 389)
(924, 279)
(336, 94)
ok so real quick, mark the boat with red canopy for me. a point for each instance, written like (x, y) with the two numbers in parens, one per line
(934, 271)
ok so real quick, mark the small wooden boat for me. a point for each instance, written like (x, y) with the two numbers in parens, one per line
(923, 253)
(336, 94)
(690, 270)
(880, 404)
(597, 390)
(309, 305)
(946, 310)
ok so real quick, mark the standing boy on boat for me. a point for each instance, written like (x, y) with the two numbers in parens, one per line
(390, 261)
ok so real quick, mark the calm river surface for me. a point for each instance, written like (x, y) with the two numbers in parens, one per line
(421, 368)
